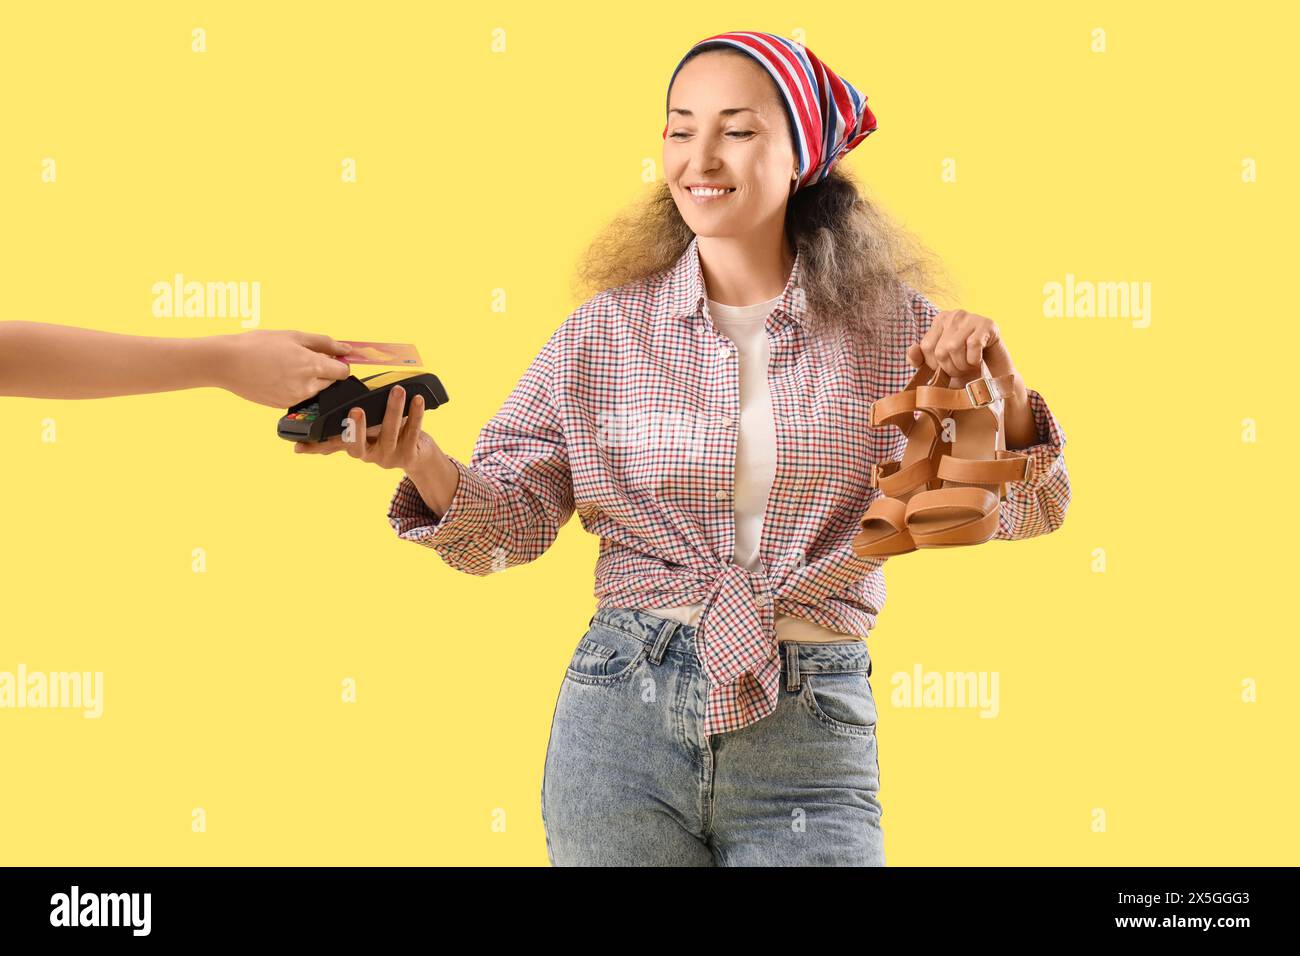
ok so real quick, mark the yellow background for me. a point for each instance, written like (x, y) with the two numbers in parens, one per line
(1119, 691)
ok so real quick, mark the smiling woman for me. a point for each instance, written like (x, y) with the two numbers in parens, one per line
(736, 165)
(722, 688)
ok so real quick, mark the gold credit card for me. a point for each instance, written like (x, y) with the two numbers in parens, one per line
(380, 353)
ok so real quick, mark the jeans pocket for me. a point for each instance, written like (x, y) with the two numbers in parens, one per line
(842, 702)
(606, 655)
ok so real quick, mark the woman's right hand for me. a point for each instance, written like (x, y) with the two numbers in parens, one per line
(398, 443)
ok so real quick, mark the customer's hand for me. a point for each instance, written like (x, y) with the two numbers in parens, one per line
(278, 368)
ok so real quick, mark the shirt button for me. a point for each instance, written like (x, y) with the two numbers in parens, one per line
(721, 494)
(728, 421)
(724, 352)
(762, 600)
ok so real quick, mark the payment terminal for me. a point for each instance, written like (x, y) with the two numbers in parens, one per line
(321, 416)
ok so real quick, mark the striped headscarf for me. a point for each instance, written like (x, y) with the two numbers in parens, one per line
(828, 115)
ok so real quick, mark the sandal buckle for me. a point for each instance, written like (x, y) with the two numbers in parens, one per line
(991, 392)
(873, 478)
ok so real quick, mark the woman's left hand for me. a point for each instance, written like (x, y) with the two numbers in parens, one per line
(958, 342)
(964, 344)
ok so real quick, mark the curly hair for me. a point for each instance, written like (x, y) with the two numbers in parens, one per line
(858, 268)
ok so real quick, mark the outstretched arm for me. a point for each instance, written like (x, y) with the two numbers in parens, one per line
(271, 367)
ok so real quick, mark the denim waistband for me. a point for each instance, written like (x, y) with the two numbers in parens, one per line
(643, 625)
(796, 657)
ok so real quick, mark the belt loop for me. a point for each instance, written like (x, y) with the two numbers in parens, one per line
(792, 679)
(666, 632)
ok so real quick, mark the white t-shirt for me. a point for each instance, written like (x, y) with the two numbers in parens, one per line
(745, 325)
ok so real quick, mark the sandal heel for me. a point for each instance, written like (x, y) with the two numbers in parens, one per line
(964, 509)
(883, 529)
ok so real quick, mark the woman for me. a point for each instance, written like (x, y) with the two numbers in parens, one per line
(270, 367)
(706, 415)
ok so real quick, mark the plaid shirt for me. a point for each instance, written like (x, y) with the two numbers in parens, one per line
(629, 415)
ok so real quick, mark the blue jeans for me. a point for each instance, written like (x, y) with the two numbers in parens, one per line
(629, 780)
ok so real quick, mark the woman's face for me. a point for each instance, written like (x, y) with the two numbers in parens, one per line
(727, 127)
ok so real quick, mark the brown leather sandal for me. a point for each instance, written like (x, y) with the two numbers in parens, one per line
(884, 531)
(972, 474)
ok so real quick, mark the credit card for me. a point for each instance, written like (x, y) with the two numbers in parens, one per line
(380, 353)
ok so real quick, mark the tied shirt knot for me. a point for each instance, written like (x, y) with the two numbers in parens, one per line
(740, 610)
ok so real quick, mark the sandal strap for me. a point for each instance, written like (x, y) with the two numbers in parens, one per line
(1009, 466)
(883, 410)
(891, 511)
(899, 404)
(977, 531)
(894, 480)
(975, 394)
(978, 501)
